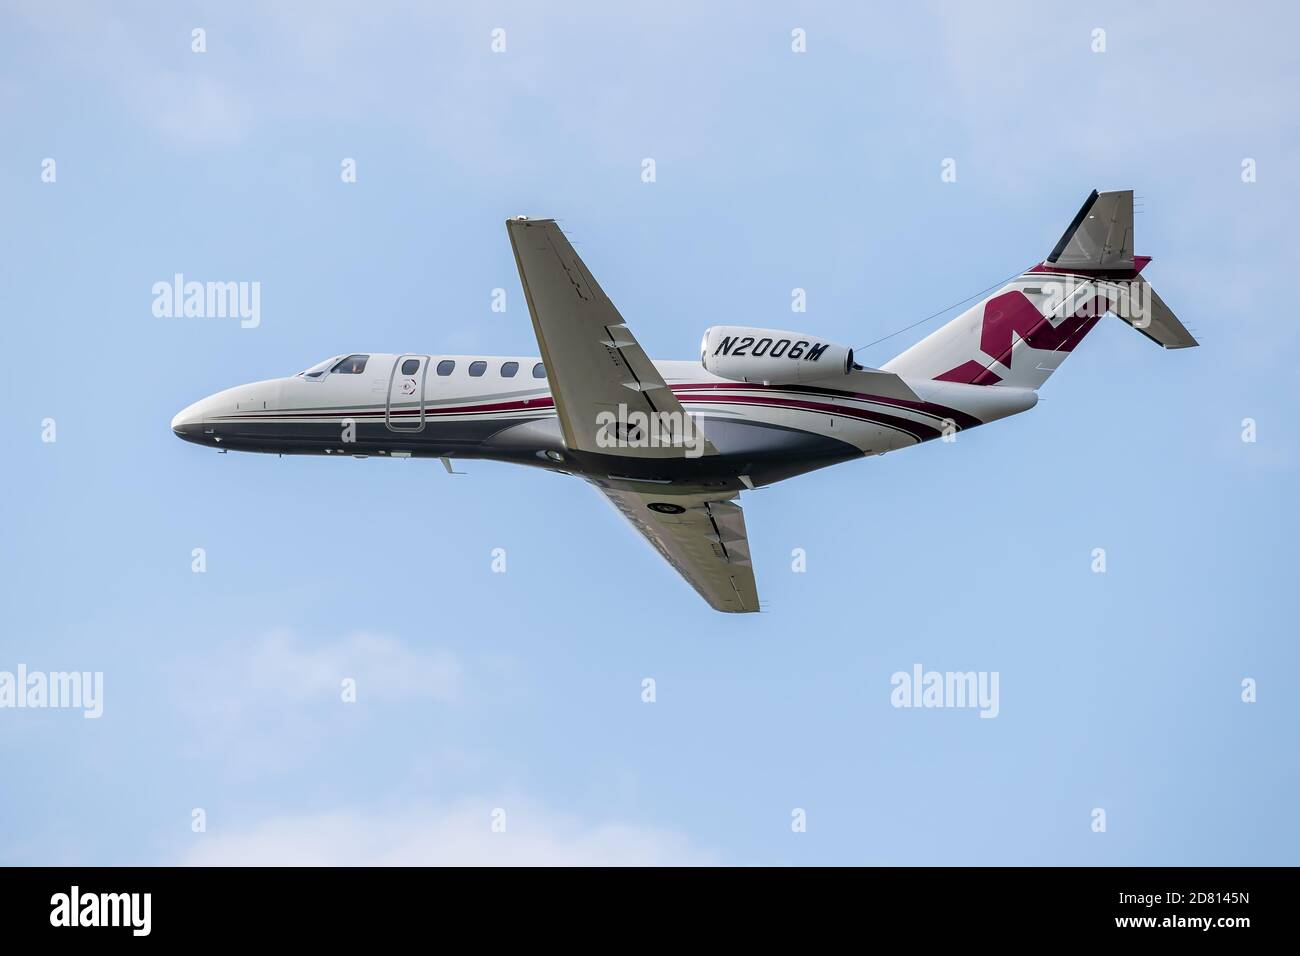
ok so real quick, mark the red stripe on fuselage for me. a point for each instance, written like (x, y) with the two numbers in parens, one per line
(959, 418)
(917, 430)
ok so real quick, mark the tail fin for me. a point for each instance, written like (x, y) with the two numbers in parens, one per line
(1022, 333)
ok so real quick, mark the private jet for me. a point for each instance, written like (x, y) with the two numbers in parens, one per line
(672, 444)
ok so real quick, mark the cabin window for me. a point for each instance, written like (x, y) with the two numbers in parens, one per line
(509, 369)
(446, 367)
(477, 368)
(410, 366)
(539, 370)
(352, 365)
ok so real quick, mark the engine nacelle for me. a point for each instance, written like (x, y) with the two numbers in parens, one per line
(771, 356)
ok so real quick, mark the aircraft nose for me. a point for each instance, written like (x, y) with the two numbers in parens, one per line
(188, 423)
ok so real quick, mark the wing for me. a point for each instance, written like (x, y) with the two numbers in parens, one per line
(594, 363)
(702, 536)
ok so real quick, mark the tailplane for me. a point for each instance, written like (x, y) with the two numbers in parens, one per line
(1023, 332)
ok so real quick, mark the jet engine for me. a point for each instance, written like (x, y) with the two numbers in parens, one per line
(773, 357)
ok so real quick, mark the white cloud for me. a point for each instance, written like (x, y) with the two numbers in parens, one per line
(275, 700)
(383, 667)
(440, 836)
(196, 111)
(148, 67)
(406, 65)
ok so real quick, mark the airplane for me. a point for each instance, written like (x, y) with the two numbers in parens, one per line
(672, 444)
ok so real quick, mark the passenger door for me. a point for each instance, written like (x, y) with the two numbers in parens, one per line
(404, 411)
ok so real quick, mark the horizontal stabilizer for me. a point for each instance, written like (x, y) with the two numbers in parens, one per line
(1149, 314)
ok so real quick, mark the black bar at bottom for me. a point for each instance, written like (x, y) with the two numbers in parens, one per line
(334, 906)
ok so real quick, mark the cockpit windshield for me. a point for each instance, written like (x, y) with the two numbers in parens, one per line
(319, 369)
(352, 365)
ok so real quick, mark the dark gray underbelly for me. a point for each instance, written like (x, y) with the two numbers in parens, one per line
(762, 452)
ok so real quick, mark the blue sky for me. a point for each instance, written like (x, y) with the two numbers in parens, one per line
(522, 691)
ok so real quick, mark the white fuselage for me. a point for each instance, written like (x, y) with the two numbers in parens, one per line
(422, 405)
